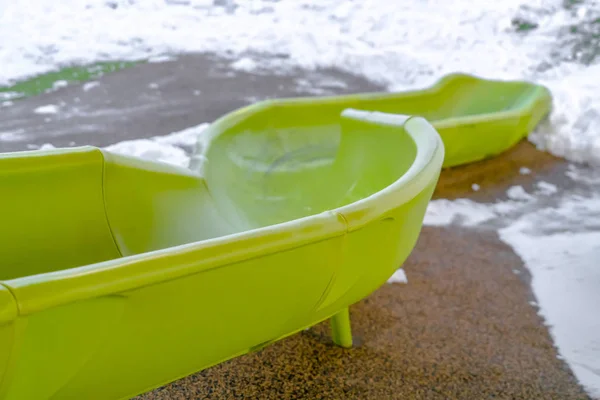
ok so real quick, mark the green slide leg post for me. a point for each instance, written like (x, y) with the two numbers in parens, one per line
(340, 328)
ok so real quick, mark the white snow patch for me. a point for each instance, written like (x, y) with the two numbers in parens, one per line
(398, 277)
(8, 95)
(403, 44)
(518, 193)
(187, 137)
(566, 282)
(559, 243)
(151, 150)
(524, 171)
(587, 176)
(60, 84)
(160, 59)
(12, 136)
(244, 64)
(462, 211)
(167, 148)
(573, 132)
(47, 109)
(90, 85)
(546, 188)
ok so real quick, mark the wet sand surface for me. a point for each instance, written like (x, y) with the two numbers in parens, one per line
(463, 328)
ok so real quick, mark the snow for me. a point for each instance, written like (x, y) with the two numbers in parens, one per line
(398, 277)
(518, 193)
(8, 95)
(466, 212)
(168, 149)
(47, 109)
(90, 85)
(546, 188)
(12, 136)
(174, 148)
(566, 282)
(187, 137)
(149, 149)
(60, 84)
(557, 235)
(404, 44)
(160, 59)
(244, 64)
(524, 171)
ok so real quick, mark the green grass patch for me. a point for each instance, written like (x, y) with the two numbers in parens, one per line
(523, 25)
(45, 82)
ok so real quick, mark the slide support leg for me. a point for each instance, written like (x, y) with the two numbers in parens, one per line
(340, 328)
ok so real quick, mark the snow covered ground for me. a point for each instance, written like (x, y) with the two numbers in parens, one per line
(402, 45)
(557, 234)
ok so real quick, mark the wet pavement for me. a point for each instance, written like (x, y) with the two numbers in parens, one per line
(154, 99)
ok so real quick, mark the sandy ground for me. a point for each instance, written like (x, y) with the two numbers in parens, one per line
(463, 328)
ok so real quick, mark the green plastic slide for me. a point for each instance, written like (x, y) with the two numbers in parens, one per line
(476, 118)
(119, 274)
